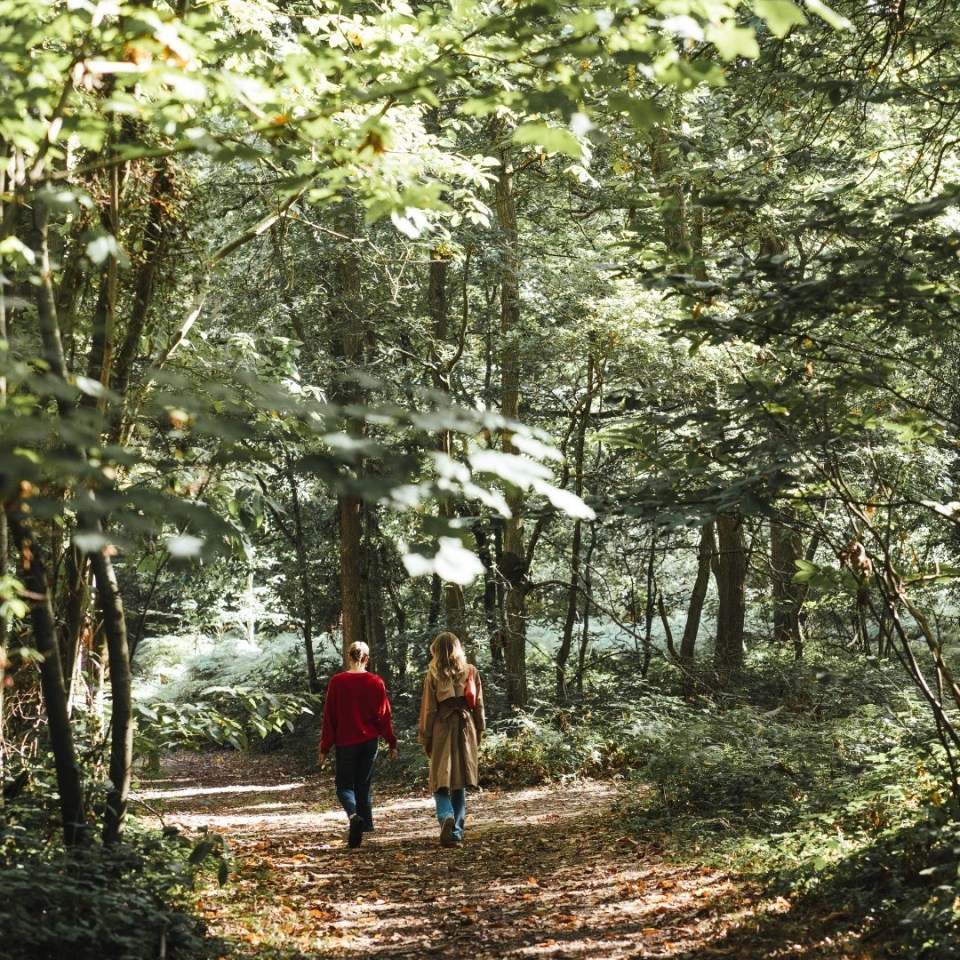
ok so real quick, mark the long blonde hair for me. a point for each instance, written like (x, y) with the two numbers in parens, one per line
(447, 659)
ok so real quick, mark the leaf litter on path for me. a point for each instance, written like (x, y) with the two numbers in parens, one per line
(545, 872)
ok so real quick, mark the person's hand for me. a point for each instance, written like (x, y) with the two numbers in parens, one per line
(426, 750)
(322, 759)
(394, 752)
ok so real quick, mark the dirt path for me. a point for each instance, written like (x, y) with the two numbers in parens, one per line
(546, 872)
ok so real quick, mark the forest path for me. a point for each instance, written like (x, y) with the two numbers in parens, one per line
(543, 872)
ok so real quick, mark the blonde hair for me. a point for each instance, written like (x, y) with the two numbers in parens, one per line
(448, 661)
(358, 651)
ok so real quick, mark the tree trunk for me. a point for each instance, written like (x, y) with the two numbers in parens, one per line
(731, 586)
(705, 555)
(585, 616)
(373, 593)
(400, 644)
(74, 604)
(436, 595)
(649, 606)
(351, 623)
(4, 551)
(121, 686)
(154, 248)
(88, 520)
(303, 573)
(673, 206)
(573, 605)
(513, 569)
(348, 346)
(69, 783)
(576, 545)
(491, 607)
(454, 604)
(4, 539)
(785, 550)
(101, 355)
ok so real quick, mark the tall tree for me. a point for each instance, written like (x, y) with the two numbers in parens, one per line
(513, 562)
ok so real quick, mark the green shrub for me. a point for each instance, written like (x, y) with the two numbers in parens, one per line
(226, 717)
(126, 902)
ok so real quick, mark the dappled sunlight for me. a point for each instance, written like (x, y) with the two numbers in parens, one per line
(206, 791)
(545, 872)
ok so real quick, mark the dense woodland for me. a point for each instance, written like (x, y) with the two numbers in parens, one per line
(620, 339)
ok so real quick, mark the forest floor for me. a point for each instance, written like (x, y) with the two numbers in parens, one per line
(545, 872)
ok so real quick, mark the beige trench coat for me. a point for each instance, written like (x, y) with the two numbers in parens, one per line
(450, 732)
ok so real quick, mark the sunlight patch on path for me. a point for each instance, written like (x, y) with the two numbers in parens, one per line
(550, 871)
(198, 791)
(308, 808)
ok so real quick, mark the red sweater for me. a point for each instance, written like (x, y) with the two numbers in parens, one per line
(356, 710)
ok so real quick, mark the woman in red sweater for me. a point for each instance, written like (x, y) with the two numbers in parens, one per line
(356, 713)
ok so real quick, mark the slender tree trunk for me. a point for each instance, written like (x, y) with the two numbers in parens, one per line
(436, 595)
(373, 593)
(649, 606)
(4, 552)
(454, 604)
(121, 686)
(400, 644)
(4, 539)
(154, 249)
(303, 573)
(731, 585)
(491, 608)
(69, 783)
(573, 605)
(101, 355)
(785, 550)
(514, 566)
(34, 575)
(251, 605)
(349, 510)
(673, 204)
(88, 520)
(576, 545)
(348, 345)
(75, 604)
(665, 622)
(587, 605)
(705, 557)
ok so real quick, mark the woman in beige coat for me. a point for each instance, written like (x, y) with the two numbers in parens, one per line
(450, 732)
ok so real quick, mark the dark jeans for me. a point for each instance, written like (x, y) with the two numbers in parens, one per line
(354, 776)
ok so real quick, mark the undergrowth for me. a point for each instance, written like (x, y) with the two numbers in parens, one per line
(124, 902)
(822, 784)
(817, 780)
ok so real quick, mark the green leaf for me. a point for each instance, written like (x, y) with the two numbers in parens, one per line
(781, 15)
(184, 546)
(836, 20)
(104, 246)
(452, 563)
(200, 852)
(644, 112)
(551, 139)
(12, 246)
(516, 470)
(733, 41)
(89, 542)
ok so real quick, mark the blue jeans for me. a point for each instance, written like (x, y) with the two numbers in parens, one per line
(353, 778)
(452, 803)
